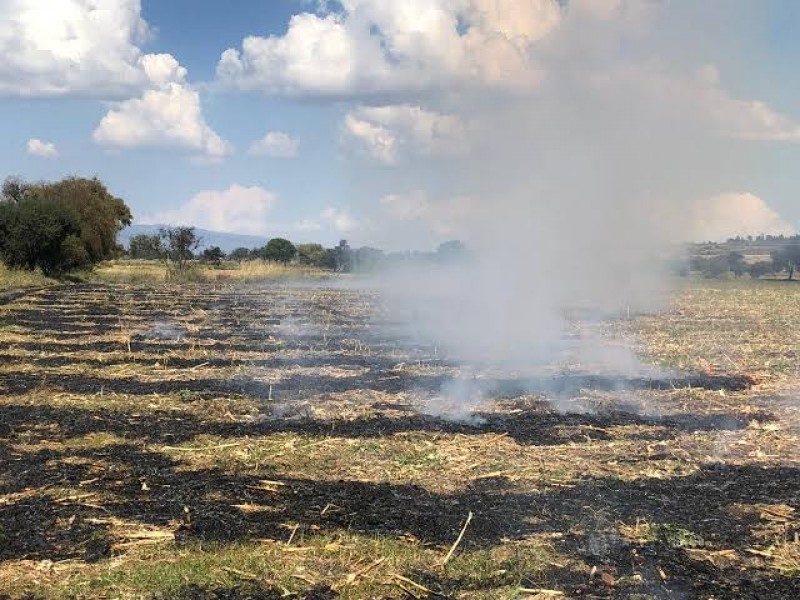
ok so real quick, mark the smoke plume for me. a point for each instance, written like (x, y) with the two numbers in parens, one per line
(572, 187)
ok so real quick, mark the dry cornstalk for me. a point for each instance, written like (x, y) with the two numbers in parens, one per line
(542, 592)
(458, 540)
(353, 577)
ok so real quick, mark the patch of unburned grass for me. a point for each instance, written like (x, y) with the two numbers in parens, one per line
(11, 279)
(143, 272)
(129, 272)
(356, 567)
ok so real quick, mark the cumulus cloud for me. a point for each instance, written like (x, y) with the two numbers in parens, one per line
(445, 218)
(238, 209)
(167, 115)
(733, 214)
(378, 46)
(335, 220)
(275, 145)
(382, 131)
(42, 149)
(58, 47)
(339, 219)
(375, 47)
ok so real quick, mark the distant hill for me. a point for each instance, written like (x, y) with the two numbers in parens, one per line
(226, 241)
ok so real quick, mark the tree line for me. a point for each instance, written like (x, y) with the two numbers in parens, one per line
(179, 246)
(783, 260)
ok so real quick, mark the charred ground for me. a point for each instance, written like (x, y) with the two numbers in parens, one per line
(184, 442)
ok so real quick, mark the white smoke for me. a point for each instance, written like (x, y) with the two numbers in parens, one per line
(575, 193)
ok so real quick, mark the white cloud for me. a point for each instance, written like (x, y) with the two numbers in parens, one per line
(339, 219)
(168, 115)
(379, 46)
(451, 217)
(57, 47)
(332, 219)
(238, 209)
(732, 214)
(42, 149)
(382, 131)
(275, 145)
(162, 69)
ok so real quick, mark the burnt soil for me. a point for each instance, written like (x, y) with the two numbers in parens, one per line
(155, 368)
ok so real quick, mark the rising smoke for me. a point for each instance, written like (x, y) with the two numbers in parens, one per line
(580, 183)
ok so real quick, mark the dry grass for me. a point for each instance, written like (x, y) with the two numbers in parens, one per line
(143, 272)
(13, 279)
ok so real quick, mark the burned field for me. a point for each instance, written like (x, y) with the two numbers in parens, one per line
(293, 441)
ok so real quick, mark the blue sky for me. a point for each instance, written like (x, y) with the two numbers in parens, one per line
(399, 123)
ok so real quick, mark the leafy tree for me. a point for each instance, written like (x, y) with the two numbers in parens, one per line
(713, 267)
(737, 264)
(213, 255)
(279, 250)
(330, 259)
(39, 231)
(786, 259)
(59, 226)
(101, 215)
(146, 247)
(240, 254)
(311, 254)
(181, 244)
(760, 268)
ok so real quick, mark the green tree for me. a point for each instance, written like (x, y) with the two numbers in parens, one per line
(213, 255)
(786, 259)
(760, 268)
(714, 267)
(240, 254)
(39, 231)
(737, 264)
(146, 247)
(181, 244)
(279, 250)
(101, 215)
(311, 254)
